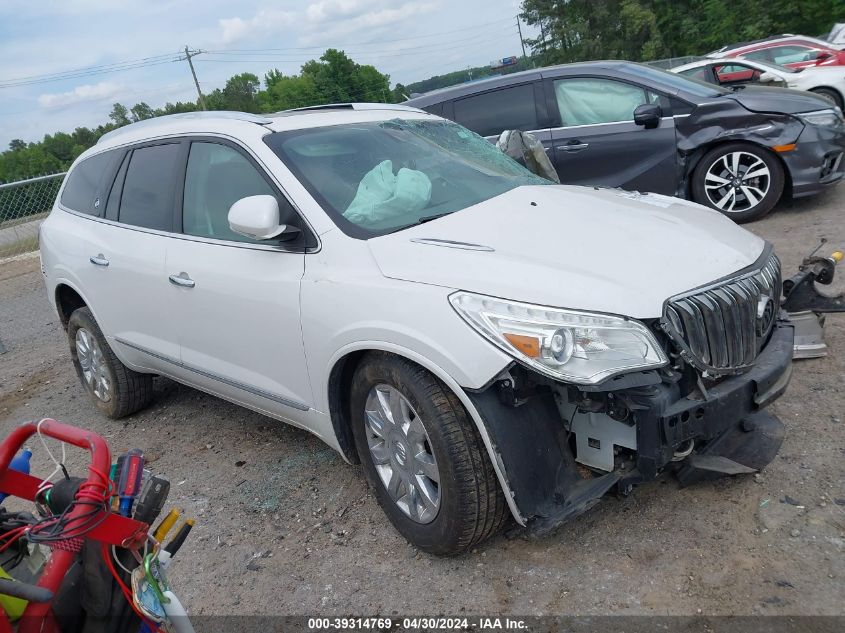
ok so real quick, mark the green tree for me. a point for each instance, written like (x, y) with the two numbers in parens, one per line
(119, 115)
(239, 94)
(141, 111)
(642, 30)
(176, 108)
(16, 144)
(286, 92)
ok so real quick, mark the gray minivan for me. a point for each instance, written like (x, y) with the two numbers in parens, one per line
(621, 124)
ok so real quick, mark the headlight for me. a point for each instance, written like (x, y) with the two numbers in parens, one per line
(825, 118)
(579, 347)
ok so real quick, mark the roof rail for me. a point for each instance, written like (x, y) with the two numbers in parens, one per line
(202, 114)
(350, 106)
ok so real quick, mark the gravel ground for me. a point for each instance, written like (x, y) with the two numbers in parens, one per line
(284, 526)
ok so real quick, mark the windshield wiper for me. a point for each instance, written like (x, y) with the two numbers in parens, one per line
(429, 218)
(422, 220)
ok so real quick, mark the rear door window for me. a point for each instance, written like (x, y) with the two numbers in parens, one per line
(491, 113)
(83, 191)
(148, 189)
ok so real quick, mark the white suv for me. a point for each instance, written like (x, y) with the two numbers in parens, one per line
(480, 339)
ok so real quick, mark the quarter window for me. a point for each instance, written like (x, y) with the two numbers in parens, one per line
(147, 198)
(217, 177)
(591, 101)
(491, 113)
(82, 191)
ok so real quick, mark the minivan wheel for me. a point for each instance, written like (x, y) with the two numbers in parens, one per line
(423, 456)
(116, 390)
(741, 180)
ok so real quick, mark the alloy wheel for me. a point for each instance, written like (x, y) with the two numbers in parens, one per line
(95, 371)
(402, 453)
(736, 182)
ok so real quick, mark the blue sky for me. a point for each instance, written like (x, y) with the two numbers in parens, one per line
(408, 39)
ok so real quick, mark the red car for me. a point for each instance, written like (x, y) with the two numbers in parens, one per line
(795, 51)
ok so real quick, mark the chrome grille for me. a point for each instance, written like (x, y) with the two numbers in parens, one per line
(721, 328)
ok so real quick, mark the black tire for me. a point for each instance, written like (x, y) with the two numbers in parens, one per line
(763, 205)
(472, 507)
(830, 93)
(129, 390)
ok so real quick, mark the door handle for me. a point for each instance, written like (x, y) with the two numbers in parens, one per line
(99, 260)
(182, 279)
(573, 147)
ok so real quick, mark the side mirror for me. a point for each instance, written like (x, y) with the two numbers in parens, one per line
(258, 217)
(648, 115)
(822, 56)
(767, 78)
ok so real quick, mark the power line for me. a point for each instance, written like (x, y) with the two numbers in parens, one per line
(165, 58)
(270, 58)
(497, 34)
(86, 70)
(14, 84)
(378, 42)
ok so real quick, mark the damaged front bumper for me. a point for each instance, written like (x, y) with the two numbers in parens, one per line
(562, 448)
(817, 161)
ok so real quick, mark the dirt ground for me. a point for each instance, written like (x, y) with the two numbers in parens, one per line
(284, 526)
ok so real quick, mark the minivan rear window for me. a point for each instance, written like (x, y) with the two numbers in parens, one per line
(147, 199)
(84, 183)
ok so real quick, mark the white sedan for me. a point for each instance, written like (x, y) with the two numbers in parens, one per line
(824, 80)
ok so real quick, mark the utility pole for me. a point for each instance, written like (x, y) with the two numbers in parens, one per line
(188, 55)
(521, 41)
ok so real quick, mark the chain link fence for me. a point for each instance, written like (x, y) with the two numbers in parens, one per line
(23, 205)
(672, 62)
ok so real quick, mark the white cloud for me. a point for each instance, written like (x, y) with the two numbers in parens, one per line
(329, 10)
(262, 23)
(324, 20)
(365, 17)
(87, 92)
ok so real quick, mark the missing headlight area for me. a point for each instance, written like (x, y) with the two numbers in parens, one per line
(563, 446)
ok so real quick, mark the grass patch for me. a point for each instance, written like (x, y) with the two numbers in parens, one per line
(18, 247)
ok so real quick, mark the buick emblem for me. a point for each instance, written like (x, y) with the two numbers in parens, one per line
(765, 315)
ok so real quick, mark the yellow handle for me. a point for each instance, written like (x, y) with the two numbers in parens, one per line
(836, 256)
(166, 524)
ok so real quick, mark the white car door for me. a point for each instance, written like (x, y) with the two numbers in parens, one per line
(236, 300)
(123, 273)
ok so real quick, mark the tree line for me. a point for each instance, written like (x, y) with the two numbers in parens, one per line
(643, 30)
(570, 30)
(334, 78)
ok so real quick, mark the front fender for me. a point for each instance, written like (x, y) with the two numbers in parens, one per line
(449, 381)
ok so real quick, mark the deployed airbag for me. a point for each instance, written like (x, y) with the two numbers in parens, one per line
(527, 150)
(383, 196)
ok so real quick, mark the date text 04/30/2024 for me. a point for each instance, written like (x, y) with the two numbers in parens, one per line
(418, 624)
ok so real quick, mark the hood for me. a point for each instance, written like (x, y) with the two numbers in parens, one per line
(779, 100)
(584, 248)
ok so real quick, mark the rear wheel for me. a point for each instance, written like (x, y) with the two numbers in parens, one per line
(423, 456)
(742, 181)
(115, 389)
(830, 93)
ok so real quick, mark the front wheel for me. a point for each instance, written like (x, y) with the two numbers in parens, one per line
(423, 456)
(742, 181)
